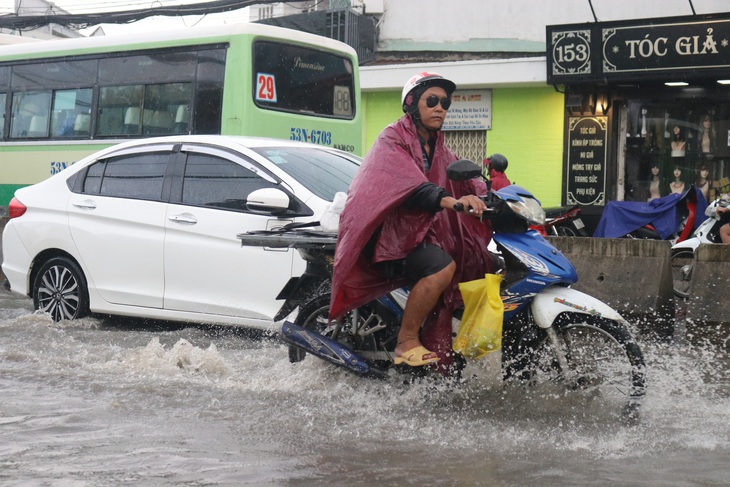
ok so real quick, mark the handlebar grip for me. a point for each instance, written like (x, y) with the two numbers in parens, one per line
(459, 207)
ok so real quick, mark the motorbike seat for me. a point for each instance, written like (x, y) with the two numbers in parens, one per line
(558, 210)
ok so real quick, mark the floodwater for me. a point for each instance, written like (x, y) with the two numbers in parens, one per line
(104, 402)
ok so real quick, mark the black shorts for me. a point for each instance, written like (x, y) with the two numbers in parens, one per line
(425, 260)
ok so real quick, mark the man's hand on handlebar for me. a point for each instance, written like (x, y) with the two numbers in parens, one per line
(469, 204)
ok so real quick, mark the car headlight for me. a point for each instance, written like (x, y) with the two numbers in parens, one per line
(529, 209)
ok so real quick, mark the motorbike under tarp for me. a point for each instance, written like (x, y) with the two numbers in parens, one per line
(391, 172)
(623, 217)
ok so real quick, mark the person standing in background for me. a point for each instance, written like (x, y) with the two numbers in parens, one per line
(497, 165)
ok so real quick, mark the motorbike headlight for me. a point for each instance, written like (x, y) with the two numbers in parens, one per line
(529, 209)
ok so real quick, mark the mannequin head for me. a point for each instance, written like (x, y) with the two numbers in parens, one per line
(702, 173)
(706, 122)
(677, 131)
(655, 170)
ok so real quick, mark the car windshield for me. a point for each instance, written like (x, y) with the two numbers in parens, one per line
(322, 172)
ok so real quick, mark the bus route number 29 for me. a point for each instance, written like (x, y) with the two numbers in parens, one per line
(265, 87)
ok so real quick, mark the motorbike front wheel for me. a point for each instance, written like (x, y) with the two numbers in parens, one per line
(682, 265)
(590, 354)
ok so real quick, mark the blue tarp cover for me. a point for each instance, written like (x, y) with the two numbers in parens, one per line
(622, 217)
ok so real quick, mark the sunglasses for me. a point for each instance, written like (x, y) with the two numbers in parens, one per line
(434, 100)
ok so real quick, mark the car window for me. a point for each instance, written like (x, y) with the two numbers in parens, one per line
(137, 176)
(322, 172)
(218, 182)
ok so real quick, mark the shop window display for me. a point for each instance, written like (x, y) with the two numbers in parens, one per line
(675, 144)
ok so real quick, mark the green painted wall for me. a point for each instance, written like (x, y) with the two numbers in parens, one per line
(381, 109)
(527, 127)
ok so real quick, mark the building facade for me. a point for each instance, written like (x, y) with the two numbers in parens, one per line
(38, 7)
(503, 49)
(647, 107)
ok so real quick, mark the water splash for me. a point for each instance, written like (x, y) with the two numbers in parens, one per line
(84, 394)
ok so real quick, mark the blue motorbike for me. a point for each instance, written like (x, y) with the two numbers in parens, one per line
(551, 332)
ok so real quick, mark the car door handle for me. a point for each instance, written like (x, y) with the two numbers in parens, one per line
(189, 219)
(85, 205)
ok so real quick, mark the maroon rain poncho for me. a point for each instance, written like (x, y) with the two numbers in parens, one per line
(391, 171)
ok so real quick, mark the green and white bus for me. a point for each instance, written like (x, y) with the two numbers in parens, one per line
(61, 100)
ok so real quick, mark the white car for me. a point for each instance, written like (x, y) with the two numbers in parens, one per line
(148, 228)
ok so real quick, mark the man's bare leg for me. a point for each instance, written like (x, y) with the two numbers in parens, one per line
(422, 299)
(724, 233)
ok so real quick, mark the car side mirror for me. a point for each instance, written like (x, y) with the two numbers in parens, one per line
(463, 170)
(269, 201)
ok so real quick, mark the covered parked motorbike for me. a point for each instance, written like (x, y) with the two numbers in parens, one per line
(672, 217)
(551, 332)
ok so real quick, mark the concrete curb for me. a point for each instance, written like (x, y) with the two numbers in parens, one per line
(710, 284)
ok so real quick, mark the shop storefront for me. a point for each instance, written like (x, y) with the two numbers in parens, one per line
(647, 108)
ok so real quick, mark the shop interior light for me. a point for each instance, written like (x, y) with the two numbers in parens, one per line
(676, 83)
(724, 81)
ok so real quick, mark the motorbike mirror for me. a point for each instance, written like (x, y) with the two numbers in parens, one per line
(463, 170)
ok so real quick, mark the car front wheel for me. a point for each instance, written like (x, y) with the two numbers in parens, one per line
(60, 290)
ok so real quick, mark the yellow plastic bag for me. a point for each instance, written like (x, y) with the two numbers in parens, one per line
(480, 331)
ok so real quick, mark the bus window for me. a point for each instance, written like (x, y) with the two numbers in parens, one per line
(302, 80)
(144, 109)
(3, 96)
(30, 113)
(120, 103)
(53, 75)
(4, 78)
(4, 85)
(209, 92)
(166, 108)
(153, 68)
(70, 115)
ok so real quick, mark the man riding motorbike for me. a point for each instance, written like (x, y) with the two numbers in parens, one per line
(393, 231)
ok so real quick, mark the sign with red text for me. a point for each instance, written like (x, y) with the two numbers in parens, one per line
(470, 110)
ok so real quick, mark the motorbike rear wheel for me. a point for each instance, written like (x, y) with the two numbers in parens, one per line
(565, 231)
(603, 359)
(361, 330)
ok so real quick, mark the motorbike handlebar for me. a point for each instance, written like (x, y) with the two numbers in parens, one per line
(459, 207)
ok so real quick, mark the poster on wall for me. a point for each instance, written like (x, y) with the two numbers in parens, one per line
(586, 166)
(470, 110)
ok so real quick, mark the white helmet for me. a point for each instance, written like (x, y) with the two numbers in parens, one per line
(420, 83)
